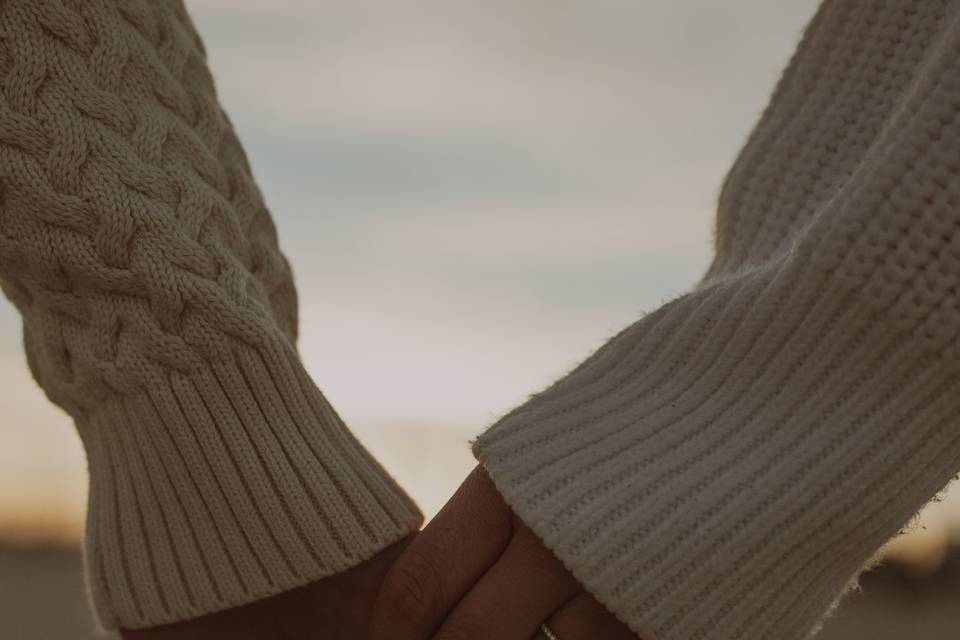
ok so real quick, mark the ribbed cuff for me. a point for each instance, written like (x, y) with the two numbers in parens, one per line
(220, 487)
(725, 467)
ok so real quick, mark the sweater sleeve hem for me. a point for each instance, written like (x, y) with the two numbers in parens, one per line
(726, 466)
(224, 485)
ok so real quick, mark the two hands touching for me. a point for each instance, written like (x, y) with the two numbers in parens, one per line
(476, 572)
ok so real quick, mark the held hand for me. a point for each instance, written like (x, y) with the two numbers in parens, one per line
(334, 608)
(476, 572)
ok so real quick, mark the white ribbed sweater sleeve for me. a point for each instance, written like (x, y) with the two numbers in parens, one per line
(724, 467)
(159, 311)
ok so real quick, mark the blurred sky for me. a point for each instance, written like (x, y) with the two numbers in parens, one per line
(473, 196)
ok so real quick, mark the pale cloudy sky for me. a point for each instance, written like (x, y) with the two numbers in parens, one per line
(473, 196)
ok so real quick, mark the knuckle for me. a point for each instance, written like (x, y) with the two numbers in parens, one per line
(412, 588)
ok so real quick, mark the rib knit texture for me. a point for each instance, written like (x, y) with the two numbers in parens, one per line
(723, 468)
(160, 313)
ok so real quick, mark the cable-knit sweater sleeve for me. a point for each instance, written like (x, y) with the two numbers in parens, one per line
(724, 467)
(160, 313)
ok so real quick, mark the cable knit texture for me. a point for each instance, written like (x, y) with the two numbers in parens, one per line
(160, 313)
(723, 468)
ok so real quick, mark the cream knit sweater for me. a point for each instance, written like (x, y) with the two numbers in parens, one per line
(159, 312)
(719, 470)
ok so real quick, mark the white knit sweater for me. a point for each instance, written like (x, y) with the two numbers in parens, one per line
(724, 467)
(721, 469)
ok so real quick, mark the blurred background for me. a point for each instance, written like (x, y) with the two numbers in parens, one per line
(474, 196)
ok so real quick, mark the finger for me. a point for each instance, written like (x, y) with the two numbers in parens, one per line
(443, 562)
(515, 595)
(583, 618)
(336, 604)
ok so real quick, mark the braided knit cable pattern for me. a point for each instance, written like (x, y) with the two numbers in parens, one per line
(134, 237)
(160, 313)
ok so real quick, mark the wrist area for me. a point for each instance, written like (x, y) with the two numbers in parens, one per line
(225, 485)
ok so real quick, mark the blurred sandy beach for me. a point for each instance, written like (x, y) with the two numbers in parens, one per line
(34, 582)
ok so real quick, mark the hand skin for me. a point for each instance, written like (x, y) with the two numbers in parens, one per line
(476, 572)
(333, 608)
